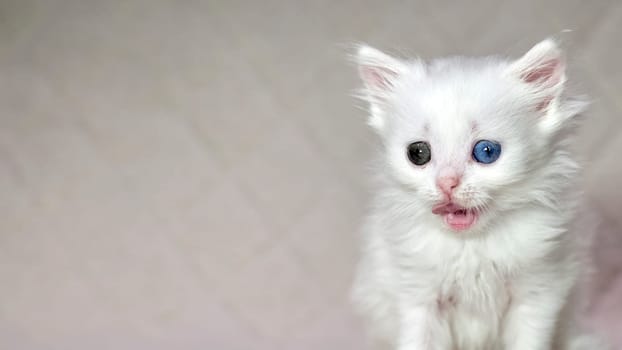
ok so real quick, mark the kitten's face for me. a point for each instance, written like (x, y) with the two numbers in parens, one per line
(450, 112)
(465, 137)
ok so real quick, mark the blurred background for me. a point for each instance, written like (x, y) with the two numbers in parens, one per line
(192, 174)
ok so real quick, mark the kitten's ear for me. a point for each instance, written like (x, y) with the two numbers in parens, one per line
(543, 70)
(377, 69)
(379, 73)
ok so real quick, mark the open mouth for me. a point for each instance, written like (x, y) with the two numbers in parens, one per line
(455, 216)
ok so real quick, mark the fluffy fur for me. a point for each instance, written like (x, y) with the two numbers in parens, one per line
(507, 282)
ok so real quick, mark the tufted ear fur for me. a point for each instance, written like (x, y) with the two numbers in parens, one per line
(542, 73)
(543, 70)
(379, 73)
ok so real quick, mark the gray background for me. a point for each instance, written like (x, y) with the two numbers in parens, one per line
(191, 175)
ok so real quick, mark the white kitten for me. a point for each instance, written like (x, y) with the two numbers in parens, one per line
(468, 243)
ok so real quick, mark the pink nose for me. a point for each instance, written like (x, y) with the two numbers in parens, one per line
(447, 184)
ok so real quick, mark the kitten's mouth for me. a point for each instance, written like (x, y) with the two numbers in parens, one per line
(455, 216)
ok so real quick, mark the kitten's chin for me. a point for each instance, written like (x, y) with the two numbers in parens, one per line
(456, 217)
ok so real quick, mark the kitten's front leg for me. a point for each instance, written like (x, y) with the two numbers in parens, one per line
(423, 328)
(531, 320)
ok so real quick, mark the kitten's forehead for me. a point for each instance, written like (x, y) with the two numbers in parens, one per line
(457, 65)
(456, 95)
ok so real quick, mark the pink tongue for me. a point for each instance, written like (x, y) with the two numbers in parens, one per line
(460, 220)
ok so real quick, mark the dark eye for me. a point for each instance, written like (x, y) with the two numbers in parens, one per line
(419, 152)
(486, 151)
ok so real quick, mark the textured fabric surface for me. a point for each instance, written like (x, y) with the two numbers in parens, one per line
(192, 174)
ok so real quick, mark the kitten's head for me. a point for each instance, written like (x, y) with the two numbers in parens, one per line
(471, 138)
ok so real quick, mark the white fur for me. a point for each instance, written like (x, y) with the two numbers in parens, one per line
(509, 281)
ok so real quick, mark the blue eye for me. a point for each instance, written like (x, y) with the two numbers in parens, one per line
(486, 151)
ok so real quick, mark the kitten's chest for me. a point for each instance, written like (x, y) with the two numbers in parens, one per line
(477, 287)
(461, 276)
(474, 300)
(473, 297)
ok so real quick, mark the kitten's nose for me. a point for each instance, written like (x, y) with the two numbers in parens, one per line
(447, 184)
